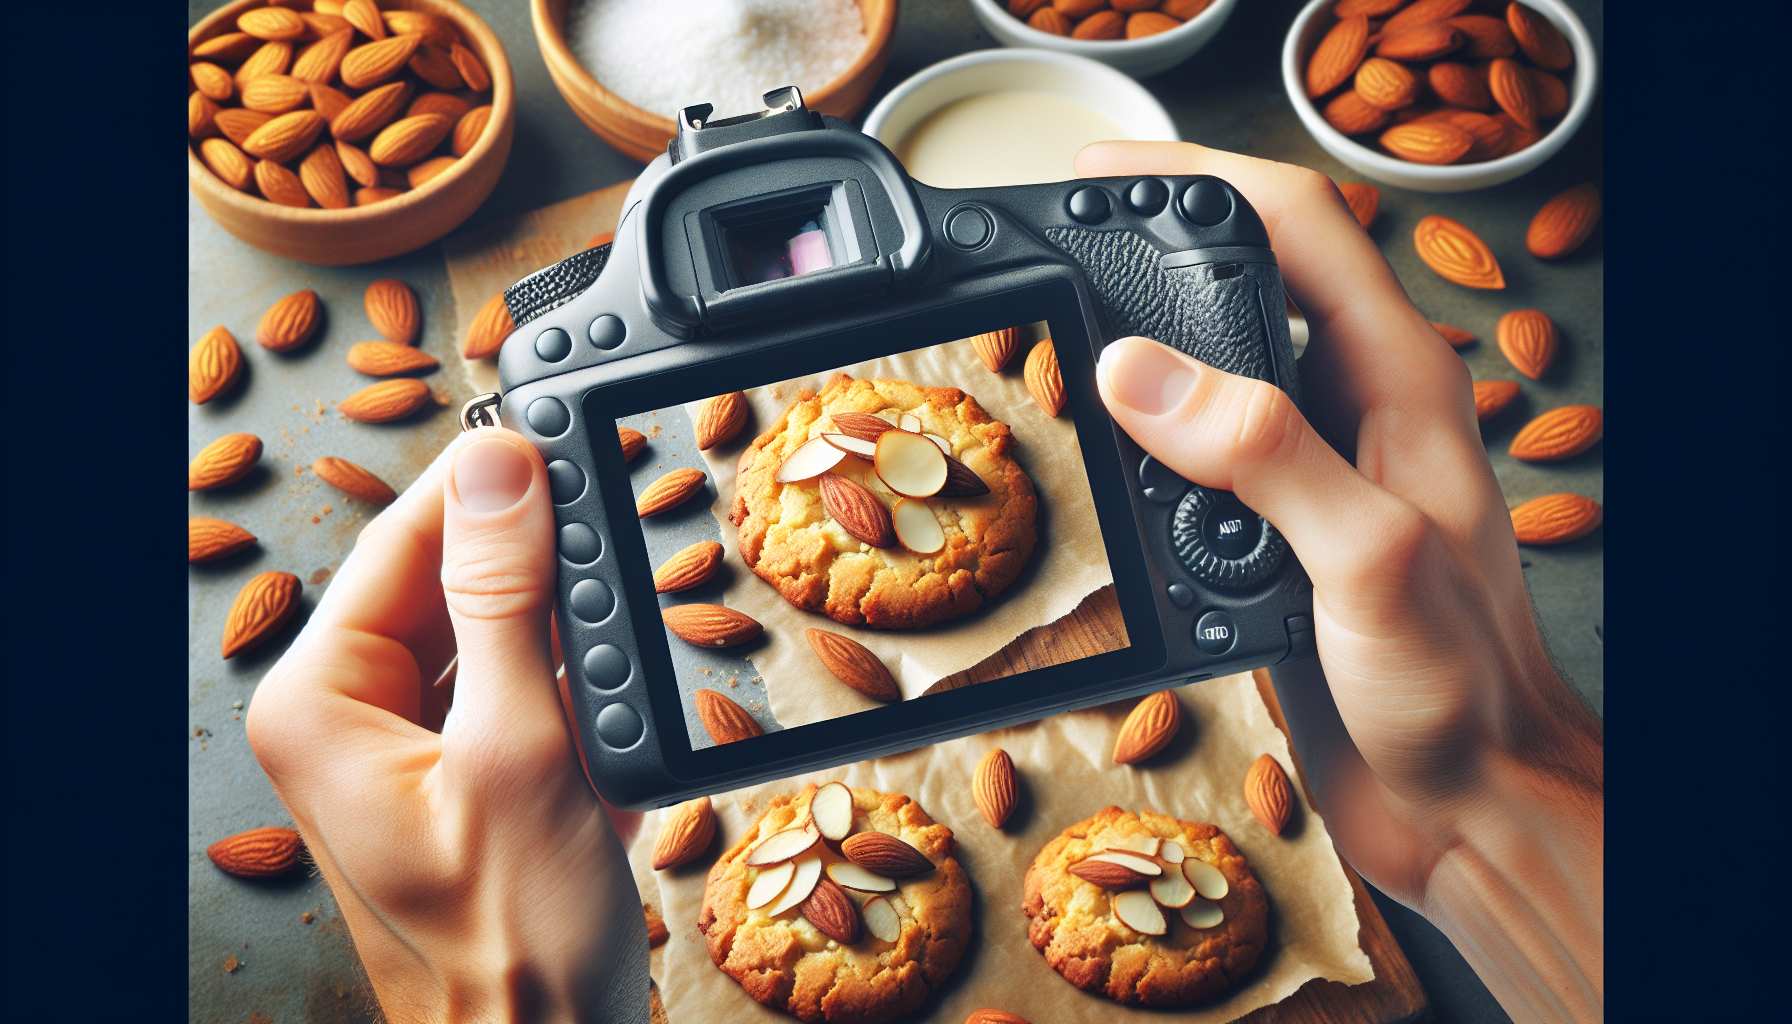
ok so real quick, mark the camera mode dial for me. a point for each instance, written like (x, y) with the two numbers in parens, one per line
(1221, 541)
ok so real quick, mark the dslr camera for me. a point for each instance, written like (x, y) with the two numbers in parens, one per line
(830, 472)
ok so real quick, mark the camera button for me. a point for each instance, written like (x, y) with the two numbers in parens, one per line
(606, 667)
(580, 544)
(1089, 205)
(607, 331)
(1206, 203)
(548, 417)
(1147, 196)
(1230, 529)
(619, 726)
(968, 227)
(1215, 633)
(553, 345)
(565, 483)
(1180, 595)
(1161, 484)
(592, 601)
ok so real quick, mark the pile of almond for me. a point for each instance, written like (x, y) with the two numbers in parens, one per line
(1146, 875)
(1437, 82)
(1105, 19)
(294, 105)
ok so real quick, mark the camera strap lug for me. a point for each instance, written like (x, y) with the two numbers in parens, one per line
(482, 411)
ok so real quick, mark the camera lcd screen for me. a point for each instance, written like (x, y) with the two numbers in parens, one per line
(874, 533)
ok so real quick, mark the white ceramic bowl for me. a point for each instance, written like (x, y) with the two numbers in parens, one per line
(1094, 85)
(1137, 57)
(1314, 20)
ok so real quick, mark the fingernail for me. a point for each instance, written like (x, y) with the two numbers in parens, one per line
(1145, 376)
(490, 475)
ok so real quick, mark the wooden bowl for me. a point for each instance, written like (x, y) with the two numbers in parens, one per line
(362, 234)
(642, 135)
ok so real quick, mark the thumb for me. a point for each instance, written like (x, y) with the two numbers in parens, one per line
(1243, 435)
(498, 579)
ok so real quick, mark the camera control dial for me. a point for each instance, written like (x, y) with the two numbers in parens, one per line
(1223, 542)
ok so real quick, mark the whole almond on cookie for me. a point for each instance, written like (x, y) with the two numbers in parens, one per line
(720, 419)
(857, 510)
(832, 912)
(710, 625)
(1456, 336)
(687, 832)
(853, 664)
(1456, 253)
(213, 365)
(724, 720)
(374, 62)
(993, 787)
(1564, 223)
(1556, 519)
(689, 568)
(1106, 874)
(1492, 397)
(884, 854)
(996, 347)
(1363, 200)
(223, 462)
(1336, 57)
(861, 425)
(632, 442)
(1044, 382)
(1267, 793)
(211, 539)
(289, 321)
(1560, 433)
(385, 358)
(491, 325)
(386, 401)
(261, 607)
(669, 491)
(354, 481)
(1528, 338)
(1149, 728)
(993, 1017)
(257, 853)
(392, 309)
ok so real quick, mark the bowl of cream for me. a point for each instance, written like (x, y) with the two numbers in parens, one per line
(1011, 117)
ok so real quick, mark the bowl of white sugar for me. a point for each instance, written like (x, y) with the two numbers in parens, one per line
(626, 67)
(1011, 117)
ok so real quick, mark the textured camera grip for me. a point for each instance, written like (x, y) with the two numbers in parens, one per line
(556, 285)
(1231, 316)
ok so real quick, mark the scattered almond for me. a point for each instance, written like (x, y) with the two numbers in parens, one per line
(1492, 397)
(354, 481)
(1560, 433)
(857, 510)
(710, 625)
(223, 462)
(993, 787)
(720, 419)
(1044, 382)
(1267, 793)
(1456, 253)
(386, 401)
(996, 347)
(689, 568)
(1528, 338)
(632, 442)
(685, 835)
(392, 309)
(1556, 519)
(853, 664)
(213, 365)
(1149, 728)
(724, 720)
(257, 853)
(885, 854)
(491, 325)
(261, 607)
(385, 358)
(1456, 336)
(211, 539)
(656, 927)
(1364, 201)
(1564, 223)
(669, 491)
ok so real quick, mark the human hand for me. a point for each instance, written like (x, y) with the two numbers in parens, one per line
(1473, 791)
(477, 871)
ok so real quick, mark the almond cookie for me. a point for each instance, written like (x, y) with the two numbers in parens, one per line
(784, 961)
(791, 541)
(1077, 924)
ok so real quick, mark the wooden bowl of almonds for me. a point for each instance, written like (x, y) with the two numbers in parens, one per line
(626, 67)
(347, 133)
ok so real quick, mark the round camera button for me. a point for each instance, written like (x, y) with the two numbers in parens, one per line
(606, 667)
(553, 345)
(1180, 595)
(619, 726)
(580, 544)
(1215, 633)
(592, 601)
(1206, 203)
(607, 332)
(1089, 205)
(566, 482)
(548, 417)
(1231, 529)
(1147, 196)
(968, 228)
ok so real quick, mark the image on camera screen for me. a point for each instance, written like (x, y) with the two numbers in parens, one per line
(873, 533)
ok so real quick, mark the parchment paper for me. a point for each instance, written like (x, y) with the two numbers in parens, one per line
(1068, 563)
(1065, 774)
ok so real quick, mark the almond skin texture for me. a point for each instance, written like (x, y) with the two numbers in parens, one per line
(369, 196)
(720, 420)
(1513, 90)
(202, 116)
(285, 136)
(691, 567)
(1100, 25)
(1267, 793)
(1552, 95)
(996, 347)
(1336, 57)
(1352, 115)
(211, 539)
(1366, 8)
(365, 16)
(632, 442)
(491, 325)
(1386, 85)
(257, 853)
(468, 129)
(434, 30)
(319, 61)
(354, 481)
(386, 401)
(276, 94)
(421, 174)
(1528, 337)
(431, 63)
(832, 912)
(223, 462)
(669, 491)
(993, 1017)
(212, 81)
(1044, 382)
(656, 927)
(1456, 253)
(227, 161)
(857, 510)
(1538, 37)
(710, 625)
(1564, 223)
(289, 322)
(230, 46)
(1423, 11)
(471, 70)
(1556, 519)
(439, 103)
(884, 854)
(357, 166)
(409, 140)
(321, 174)
(279, 185)
(237, 125)
(1047, 19)
(271, 23)
(213, 366)
(261, 607)
(1487, 37)
(724, 720)
(1558, 434)
(961, 481)
(1106, 874)
(1458, 85)
(1428, 142)
(1364, 201)
(992, 787)
(686, 834)
(1149, 729)
(272, 58)
(392, 309)
(377, 61)
(850, 662)
(1492, 397)
(1456, 336)
(370, 112)
(1420, 42)
(1491, 138)
(1149, 23)
(861, 425)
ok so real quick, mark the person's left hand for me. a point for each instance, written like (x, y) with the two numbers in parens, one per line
(477, 871)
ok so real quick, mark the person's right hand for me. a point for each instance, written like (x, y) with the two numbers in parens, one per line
(1474, 789)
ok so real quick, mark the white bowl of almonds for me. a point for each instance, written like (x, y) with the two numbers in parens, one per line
(1440, 95)
(1139, 37)
(347, 133)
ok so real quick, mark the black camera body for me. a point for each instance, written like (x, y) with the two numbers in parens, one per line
(718, 278)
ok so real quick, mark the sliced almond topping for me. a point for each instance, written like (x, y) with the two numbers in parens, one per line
(849, 443)
(910, 464)
(1137, 910)
(916, 526)
(1148, 868)
(910, 423)
(808, 873)
(944, 445)
(769, 884)
(1206, 879)
(1145, 846)
(831, 809)
(881, 919)
(814, 458)
(1171, 852)
(782, 846)
(1172, 890)
(848, 875)
(1201, 913)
